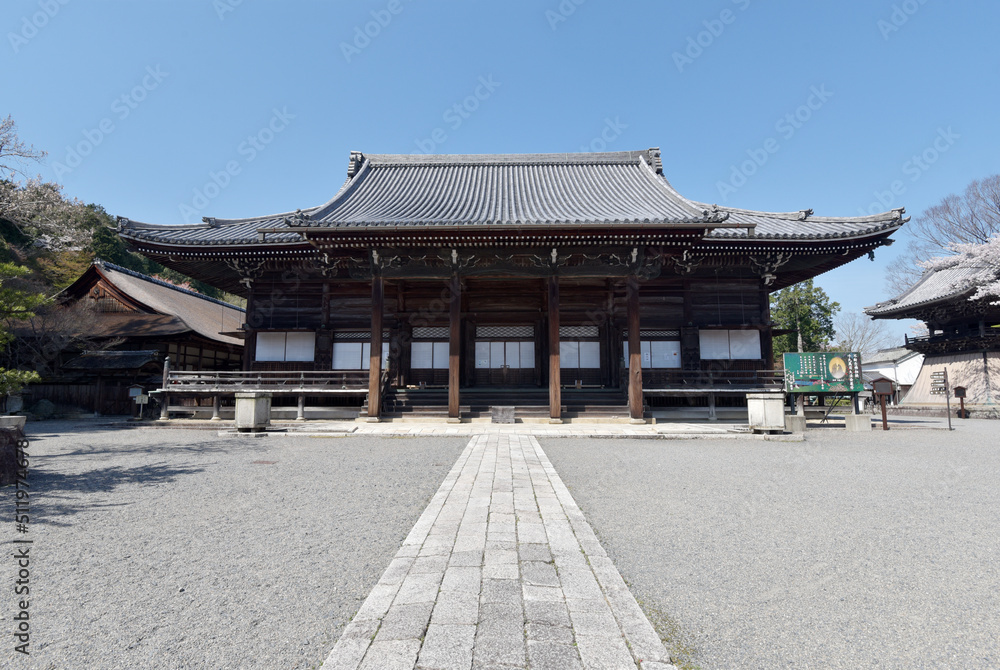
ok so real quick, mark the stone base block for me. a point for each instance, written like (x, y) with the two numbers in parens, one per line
(795, 423)
(858, 423)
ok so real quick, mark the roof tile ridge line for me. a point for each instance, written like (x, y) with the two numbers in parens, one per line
(703, 214)
(575, 156)
(345, 188)
(153, 280)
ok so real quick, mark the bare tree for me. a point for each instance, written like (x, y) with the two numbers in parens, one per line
(859, 332)
(970, 218)
(53, 331)
(14, 152)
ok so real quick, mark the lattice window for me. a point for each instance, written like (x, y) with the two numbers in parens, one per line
(655, 333)
(577, 331)
(430, 333)
(357, 335)
(505, 331)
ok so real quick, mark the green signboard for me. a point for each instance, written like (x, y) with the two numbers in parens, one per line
(823, 373)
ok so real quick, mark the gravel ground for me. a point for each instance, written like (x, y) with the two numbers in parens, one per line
(845, 551)
(181, 549)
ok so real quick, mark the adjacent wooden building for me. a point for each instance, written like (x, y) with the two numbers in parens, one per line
(514, 277)
(131, 323)
(963, 336)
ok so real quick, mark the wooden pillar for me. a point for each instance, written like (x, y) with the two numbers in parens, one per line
(634, 352)
(216, 408)
(324, 310)
(555, 391)
(249, 334)
(454, 347)
(767, 339)
(300, 414)
(375, 356)
(165, 397)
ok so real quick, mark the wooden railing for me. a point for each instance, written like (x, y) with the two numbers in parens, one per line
(720, 380)
(210, 381)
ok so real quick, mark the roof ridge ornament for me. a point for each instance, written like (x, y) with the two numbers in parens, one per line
(805, 214)
(357, 158)
(654, 159)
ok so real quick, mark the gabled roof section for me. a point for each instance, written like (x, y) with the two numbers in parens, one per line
(195, 312)
(508, 190)
(934, 286)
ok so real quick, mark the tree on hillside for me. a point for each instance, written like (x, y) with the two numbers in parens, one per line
(15, 306)
(860, 332)
(14, 152)
(970, 218)
(808, 312)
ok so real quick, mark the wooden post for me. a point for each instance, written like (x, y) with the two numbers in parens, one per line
(99, 400)
(555, 391)
(300, 415)
(454, 348)
(216, 408)
(375, 355)
(885, 423)
(165, 397)
(634, 353)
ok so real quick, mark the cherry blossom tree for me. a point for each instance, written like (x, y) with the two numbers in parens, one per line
(983, 263)
(970, 218)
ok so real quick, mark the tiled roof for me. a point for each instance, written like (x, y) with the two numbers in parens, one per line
(399, 192)
(112, 360)
(206, 316)
(933, 286)
(802, 225)
(894, 354)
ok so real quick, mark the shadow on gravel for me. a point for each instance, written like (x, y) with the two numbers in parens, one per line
(215, 446)
(62, 495)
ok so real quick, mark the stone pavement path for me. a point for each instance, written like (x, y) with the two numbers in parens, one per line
(502, 570)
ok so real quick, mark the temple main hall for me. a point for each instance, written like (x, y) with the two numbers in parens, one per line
(559, 283)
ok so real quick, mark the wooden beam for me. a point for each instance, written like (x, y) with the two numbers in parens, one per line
(634, 352)
(454, 346)
(555, 394)
(375, 358)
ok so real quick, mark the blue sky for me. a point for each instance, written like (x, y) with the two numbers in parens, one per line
(231, 108)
